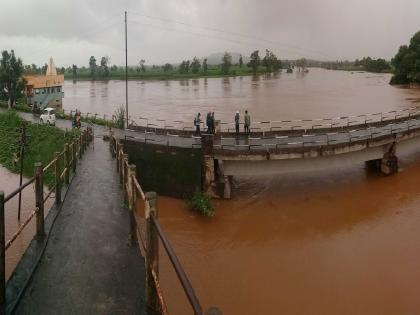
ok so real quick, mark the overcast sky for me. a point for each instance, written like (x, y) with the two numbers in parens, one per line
(168, 31)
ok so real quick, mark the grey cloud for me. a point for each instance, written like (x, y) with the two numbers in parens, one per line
(71, 31)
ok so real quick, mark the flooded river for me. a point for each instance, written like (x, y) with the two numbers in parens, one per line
(318, 94)
(344, 242)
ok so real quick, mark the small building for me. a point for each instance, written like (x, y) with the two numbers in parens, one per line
(43, 91)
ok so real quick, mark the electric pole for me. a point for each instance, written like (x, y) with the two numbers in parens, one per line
(126, 71)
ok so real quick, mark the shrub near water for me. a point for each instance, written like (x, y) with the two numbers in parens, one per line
(201, 203)
(43, 141)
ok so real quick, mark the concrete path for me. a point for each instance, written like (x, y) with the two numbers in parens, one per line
(88, 266)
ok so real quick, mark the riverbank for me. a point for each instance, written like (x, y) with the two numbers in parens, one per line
(42, 142)
(161, 75)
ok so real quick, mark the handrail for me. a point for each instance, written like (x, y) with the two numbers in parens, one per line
(19, 189)
(188, 289)
(137, 185)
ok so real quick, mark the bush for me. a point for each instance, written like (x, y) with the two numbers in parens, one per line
(119, 117)
(201, 202)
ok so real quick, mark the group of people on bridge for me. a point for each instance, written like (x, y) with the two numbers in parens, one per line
(211, 125)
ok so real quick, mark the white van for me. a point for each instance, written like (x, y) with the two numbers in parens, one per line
(48, 116)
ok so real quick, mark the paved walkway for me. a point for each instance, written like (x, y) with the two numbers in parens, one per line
(88, 266)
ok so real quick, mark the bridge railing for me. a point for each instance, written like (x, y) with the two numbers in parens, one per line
(62, 166)
(346, 137)
(146, 231)
(178, 126)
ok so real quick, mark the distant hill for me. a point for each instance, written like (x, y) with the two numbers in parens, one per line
(216, 58)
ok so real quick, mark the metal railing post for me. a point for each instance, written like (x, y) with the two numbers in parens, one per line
(2, 258)
(39, 200)
(152, 251)
(132, 199)
(57, 178)
(66, 164)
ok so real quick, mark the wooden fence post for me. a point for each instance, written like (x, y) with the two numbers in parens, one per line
(74, 158)
(66, 164)
(39, 200)
(79, 142)
(124, 157)
(132, 199)
(85, 136)
(117, 154)
(152, 251)
(57, 178)
(2, 258)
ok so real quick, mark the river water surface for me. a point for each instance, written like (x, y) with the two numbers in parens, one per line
(317, 94)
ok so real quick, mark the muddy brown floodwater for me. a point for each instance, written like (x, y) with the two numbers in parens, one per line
(344, 242)
(8, 183)
(317, 94)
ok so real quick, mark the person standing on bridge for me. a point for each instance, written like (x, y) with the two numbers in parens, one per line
(197, 122)
(247, 121)
(237, 118)
(208, 122)
(213, 124)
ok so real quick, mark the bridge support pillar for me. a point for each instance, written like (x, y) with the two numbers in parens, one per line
(227, 190)
(388, 165)
(208, 176)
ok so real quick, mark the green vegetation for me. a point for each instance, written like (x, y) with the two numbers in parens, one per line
(407, 62)
(187, 69)
(201, 203)
(119, 117)
(365, 64)
(43, 141)
(11, 82)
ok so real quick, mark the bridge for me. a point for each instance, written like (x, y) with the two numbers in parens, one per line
(90, 254)
(276, 147)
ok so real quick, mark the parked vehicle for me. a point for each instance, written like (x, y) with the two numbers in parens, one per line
(48, 116)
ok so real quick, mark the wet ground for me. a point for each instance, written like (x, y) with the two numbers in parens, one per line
(88, 266)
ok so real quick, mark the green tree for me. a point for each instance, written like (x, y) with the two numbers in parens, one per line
(184, 67)
(142, 67)
(254, 61)
(74, 70)
(11, 81)
(241, 61)
(104, 66)
(92, 67)
(195, 65)
(226, 63)
(205, 67)
(167, 67)
(407, 62)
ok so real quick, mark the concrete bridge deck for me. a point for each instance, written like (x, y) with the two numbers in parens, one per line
(88, 266)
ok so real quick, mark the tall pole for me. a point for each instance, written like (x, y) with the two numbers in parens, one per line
(126, 71)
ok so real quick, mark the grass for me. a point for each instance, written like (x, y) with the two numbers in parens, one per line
(201, 202)
(43, 141)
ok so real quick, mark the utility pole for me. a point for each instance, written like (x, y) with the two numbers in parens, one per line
(126, 71)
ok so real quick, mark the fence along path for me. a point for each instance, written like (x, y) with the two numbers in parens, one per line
(88, 267)
(146, 230)
(63, 165)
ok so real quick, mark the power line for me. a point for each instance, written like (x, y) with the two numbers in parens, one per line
(250, 36)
